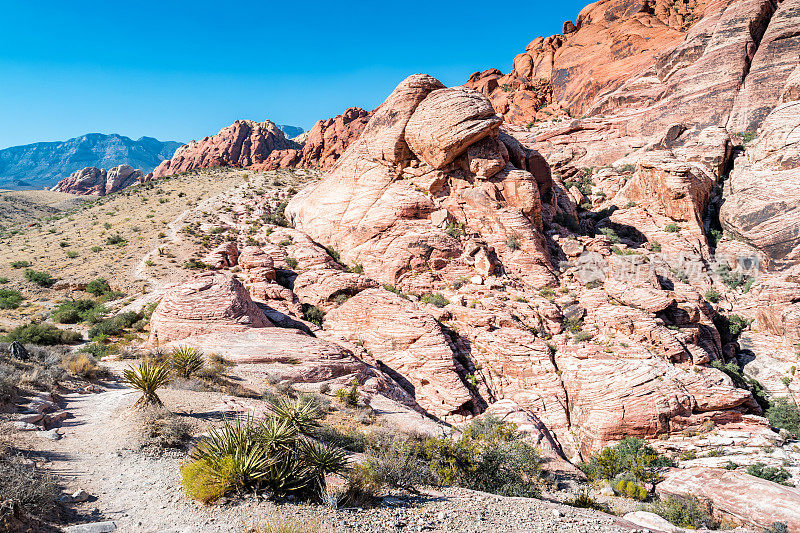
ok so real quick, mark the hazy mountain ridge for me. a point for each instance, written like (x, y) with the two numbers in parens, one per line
(43, 164)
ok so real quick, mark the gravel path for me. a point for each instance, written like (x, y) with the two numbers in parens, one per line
(141, 492)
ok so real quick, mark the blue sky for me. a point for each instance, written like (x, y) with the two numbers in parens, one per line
(183, 70)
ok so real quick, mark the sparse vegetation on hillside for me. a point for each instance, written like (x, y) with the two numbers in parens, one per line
(10, 299)
(776, 474)
(43, 279)
(82, 310)
(41, 334)
(784, 414)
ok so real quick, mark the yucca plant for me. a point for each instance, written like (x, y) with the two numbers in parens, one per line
(277, 433)
(147, 377)
(267, 457)
(300, 413)
(238, 443)
(186, 360)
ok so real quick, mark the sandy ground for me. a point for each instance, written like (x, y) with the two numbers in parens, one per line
(139, 490)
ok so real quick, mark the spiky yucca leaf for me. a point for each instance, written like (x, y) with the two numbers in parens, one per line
(186, 360)
(302, 414)
(147, 377)
(322, 458)
(239, 442)
(277, 433)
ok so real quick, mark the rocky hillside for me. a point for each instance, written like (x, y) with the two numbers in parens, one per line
(99, 182)
(263, 146)
(478, 254)
(650, 64)
(39, 165)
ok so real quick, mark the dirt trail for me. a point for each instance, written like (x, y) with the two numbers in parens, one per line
(98, 452)
(141, 492)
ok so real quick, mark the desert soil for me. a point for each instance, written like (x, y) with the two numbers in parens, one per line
(139, 490)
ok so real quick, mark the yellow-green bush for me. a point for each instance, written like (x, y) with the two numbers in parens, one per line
(205, 482)
(631, 489)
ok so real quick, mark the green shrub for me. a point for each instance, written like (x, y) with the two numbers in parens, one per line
(313, 314)
(513, 243)
(584, 501)
(434, 299)
(770, 473)
(672, 228)
(20, 264)
(115, 239)
(74, 311)
(489, 456)
(736, 280)
(3, 280)
(291, 262)
(712, 296)
(42, 334)
(196, 264)
(731, 326)
(683, 511)
(349, 396)
(631, 489)
(632, 456)
(454, 230)
(114, 325)
(43, 279)
(206, 482)
(395, 465)
(10, 299)
(611, 234)
(784, 414)
(186, 360)
(98, 287)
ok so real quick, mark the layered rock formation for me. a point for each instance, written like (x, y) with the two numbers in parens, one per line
(99, 182)
(206, 303)
(700, 63)
(731, 496)
(433, 159)
(323, 144)
(762, 198)
(399, 176)
(263, 146)
(242, 144)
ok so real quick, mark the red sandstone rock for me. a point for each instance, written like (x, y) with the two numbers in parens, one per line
(410, 343)
(761, 196)
(731, 494)
(225, 255)
(100, 182)
(243, 144)
(205, 303)
(447, 122)
(394, 235)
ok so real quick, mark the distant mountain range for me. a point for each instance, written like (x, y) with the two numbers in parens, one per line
(40, 165)
(290, 131)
